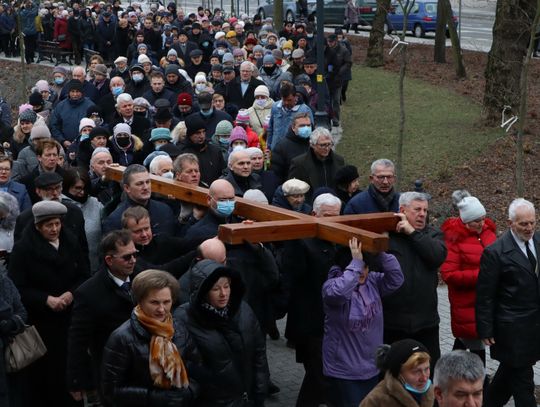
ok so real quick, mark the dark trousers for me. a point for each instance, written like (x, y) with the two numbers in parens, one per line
(429, 337)
(349, 393)
(511, 381)
(335, 96)
(314, 387)
(30, 42)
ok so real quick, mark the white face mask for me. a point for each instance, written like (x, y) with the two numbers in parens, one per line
(200, 86)
(168, 175)
(260, 102)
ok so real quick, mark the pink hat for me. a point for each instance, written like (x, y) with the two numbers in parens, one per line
(242, 116)
(238, 133)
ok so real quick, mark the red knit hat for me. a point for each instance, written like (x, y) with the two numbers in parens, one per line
(184, 99)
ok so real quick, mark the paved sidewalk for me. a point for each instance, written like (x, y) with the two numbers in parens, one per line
(288, 374)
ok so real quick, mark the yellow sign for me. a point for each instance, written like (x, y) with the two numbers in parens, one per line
(319, 78)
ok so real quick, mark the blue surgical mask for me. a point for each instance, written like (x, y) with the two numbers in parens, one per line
(59, 81)
(304, 132)
(137, 77)
(224, 141)
(116, 90)
(411, 389)
(221, 51)
(84, 137)
(208, 112)
(225, 208)
(200, 86)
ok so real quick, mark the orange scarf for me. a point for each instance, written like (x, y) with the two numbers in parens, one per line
(166, 366)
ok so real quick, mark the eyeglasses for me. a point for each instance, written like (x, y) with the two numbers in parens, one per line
(127, 257)
(4, 169)
(325, 145)
(384, 177)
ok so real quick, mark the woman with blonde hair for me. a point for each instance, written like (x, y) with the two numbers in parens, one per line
(406, 382)
(146, 360)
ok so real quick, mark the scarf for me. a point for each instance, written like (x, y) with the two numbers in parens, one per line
(382, 201)
(166, 366)
(365, 305)
(222, 313)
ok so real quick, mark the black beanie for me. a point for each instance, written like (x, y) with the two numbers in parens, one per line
(35, 99)
(99, 131)
(345, 175)
(393, 357)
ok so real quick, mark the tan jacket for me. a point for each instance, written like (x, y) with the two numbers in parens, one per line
(391, 393)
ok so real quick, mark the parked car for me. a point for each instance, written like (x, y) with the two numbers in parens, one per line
(290, 9)
(334, 11)
(422, 18)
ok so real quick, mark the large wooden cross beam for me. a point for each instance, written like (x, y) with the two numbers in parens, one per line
(271, 224)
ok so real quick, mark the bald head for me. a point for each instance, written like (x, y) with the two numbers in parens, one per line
(240, 163)
(220, 190)
(213, 249)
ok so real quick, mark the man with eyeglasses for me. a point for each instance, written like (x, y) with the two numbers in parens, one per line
(380, 196)
(318, 166)
(241, 91)
(101, 305)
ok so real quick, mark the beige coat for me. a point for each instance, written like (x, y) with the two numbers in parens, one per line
(391, 393)
(257, 115)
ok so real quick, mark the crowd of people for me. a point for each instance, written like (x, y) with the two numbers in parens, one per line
(138, 302)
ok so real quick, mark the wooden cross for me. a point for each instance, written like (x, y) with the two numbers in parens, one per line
(271, 223)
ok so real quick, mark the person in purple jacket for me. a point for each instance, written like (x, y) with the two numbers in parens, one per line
(353, 326)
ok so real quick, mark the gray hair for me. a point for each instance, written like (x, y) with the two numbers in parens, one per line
(458, 365)
(382, 162)
(516, 204)
(325, 199)
(318, 133)
(154, 164)
(233, 156)
(178, 164)
(253, 151)
(406, 198)
(130, 170)
(122, 98)
(98, 150)
(9, 208)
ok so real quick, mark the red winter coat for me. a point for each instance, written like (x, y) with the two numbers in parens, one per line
(61, 28)
(460, 272)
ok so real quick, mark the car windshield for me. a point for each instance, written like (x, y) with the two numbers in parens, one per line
(431, 8)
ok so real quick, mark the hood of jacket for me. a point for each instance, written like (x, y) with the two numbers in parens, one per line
(454, 230)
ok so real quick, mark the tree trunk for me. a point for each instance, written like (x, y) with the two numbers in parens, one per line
(375, 52)
(439, 51)
(511, 34)
(456, 41)
(278, 15)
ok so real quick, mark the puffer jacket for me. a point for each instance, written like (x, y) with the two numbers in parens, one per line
(460, 272)
(233, 348)
(126, 376)
(391, 393)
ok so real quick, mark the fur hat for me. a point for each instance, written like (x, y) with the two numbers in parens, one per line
(346, 174)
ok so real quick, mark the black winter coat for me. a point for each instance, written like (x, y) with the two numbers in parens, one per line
(211, 161)
(285, 150)
(233, 348)
(233, 93)
(413, 306)
(242, 184)
(126, 379)
(508, 302)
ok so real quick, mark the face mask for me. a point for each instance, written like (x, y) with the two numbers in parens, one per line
(59, 81)
(411, 389)
(260, 102)
(116, 90)
(141, 114)
(221, 51)
(225, 208)
(122, 70)
(137, 77)
(264, 41)
(287, 53)
(98, 121)
(123, 142)
(268, 69)
(84, 137)
(224, 141)
(208, 112)
(304, 132)
(310, 35)
(200, 86)
(168, 175)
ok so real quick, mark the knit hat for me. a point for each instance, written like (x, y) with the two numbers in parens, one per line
(238, 52)
(184, 99)
(40, 131)
(295, 187)
(172, 51)
(122, 128)
(258, 48)
(287, 45)
(262, 90)
(302, 79)
(35, 99)
(298, 53)
(42, 86)
(137, 67)
(160, 133)
(46, 179)
(100, 69)
(345, 175)
(255, 195)
(28, 115)
(44, 210)
(223, 128)
(163, 114)
(205, 100)
(392, 357)
(238, 133)
(142, 45)
(252, 41)
(227, 58)
(242, 116)
(150, 157)
(143, 59)
(74, 85)
(230, 34)
(200, 78)
(217, 68)
(194, 123)
(269, 59)
(99, 131)
(277, 54)
(86, 123)
(219, 34)
(59, 69)
(470, 209)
